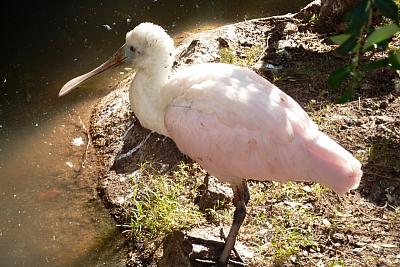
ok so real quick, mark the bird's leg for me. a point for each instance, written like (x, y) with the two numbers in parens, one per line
(223, 237)
(204, 192)
(241, 197)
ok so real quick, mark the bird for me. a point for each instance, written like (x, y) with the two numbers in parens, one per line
(236, 124)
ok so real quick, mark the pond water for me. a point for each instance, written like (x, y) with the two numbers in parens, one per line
(50, 212)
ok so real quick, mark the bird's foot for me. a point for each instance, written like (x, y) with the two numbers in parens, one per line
(213, 263)
(212, 258)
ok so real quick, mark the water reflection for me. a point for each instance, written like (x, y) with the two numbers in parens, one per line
(50, 213)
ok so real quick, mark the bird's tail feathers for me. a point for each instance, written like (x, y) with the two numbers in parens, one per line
(332, 165)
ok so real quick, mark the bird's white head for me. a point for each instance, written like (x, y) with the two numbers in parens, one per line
(149, 47)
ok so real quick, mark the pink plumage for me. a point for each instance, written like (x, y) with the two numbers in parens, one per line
(238, 125)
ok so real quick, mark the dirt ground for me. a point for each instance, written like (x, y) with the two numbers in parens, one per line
(361, 228)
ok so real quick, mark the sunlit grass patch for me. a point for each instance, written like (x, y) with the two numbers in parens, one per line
(229, 56)
(336, 263)
(282, 218)
(315, 18)
(163, 203)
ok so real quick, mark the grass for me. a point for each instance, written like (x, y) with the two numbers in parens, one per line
(285, 224)
(315, 18)
(279, 215)
(162, 203)
(282, 219)
(336, 263)
(229, 56)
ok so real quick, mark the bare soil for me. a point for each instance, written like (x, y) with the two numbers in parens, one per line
(363, 227)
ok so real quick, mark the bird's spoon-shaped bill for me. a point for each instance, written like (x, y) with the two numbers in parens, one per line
(117, 59)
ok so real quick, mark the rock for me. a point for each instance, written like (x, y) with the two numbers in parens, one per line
(309, 10)
(326, 223)
(382, 119)
(283, 44)
(290, 28)
(223, 43)
(339, 237)
(383, 105)
(196, 248)
(176, 249)
(217, 195)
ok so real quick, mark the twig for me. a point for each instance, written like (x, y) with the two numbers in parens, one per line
(136, 148)
(130, 126)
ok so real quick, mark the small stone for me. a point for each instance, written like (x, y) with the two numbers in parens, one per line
(246, 44)
(326, 222)
(374, 246)
(307, 189)
(290, 28)
(382, 119)
(339, 236)
(384, 245)
(189, 60)
(320, 263)
(358, 250)
(383, 105)
(216, 195)
(293, 258)
(282, 44)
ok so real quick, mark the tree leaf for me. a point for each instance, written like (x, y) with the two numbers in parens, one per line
(359, 16)
(338, 75)
(394, 60)
(340, 39)
(388, 8)
(346, 96)
(381, 63)
(381, 34)
(348, 45)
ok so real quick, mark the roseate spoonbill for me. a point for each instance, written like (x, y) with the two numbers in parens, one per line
(230, 120)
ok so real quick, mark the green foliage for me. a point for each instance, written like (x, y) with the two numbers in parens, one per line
(361, 37)
(158, 205)
(336, 263)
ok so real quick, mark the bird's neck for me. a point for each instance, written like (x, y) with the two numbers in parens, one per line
(145, 96)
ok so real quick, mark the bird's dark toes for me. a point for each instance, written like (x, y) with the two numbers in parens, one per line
(213, 263)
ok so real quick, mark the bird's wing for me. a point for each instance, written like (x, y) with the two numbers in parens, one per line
(238, 96)
(235, 123)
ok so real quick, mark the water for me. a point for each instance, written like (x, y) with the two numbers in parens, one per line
(50, 213)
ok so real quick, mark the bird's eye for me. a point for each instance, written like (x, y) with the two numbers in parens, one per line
(132, 48)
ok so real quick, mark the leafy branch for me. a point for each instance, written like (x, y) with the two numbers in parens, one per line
(362, 37)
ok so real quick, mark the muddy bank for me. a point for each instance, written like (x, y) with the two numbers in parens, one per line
(359, 229)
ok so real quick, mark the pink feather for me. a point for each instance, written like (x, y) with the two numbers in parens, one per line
(238, 125)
